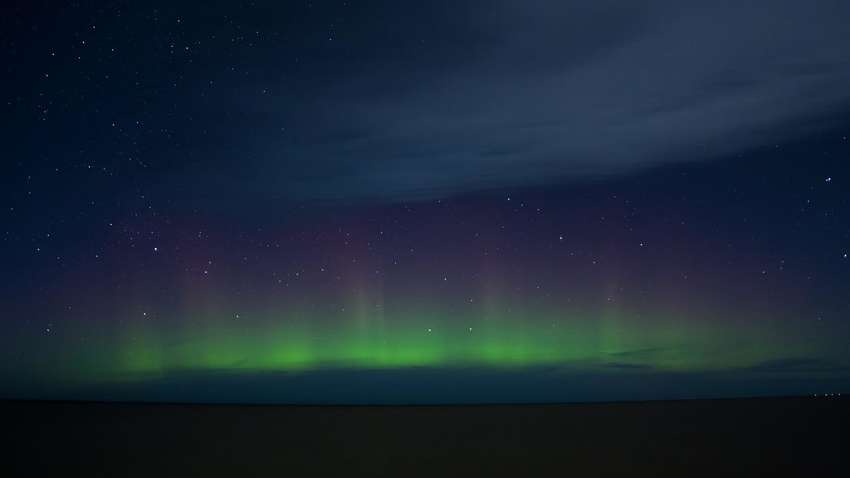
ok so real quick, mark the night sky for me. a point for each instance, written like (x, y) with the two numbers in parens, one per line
(424, 202)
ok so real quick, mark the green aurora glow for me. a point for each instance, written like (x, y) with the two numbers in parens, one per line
(294, 341)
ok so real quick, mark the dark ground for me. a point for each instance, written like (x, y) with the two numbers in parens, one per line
(751, 437)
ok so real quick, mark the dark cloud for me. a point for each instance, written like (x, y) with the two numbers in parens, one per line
(520, 93)
(802, 365)
(628, 366)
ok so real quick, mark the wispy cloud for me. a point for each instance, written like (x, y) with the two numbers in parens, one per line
(521, 93)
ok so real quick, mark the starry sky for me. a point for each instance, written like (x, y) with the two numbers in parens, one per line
(424, 202)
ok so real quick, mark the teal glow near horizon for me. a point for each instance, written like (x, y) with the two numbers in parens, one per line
(147, 347)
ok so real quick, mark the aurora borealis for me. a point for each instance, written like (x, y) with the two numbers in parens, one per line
(614, 286)
(273, 204)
